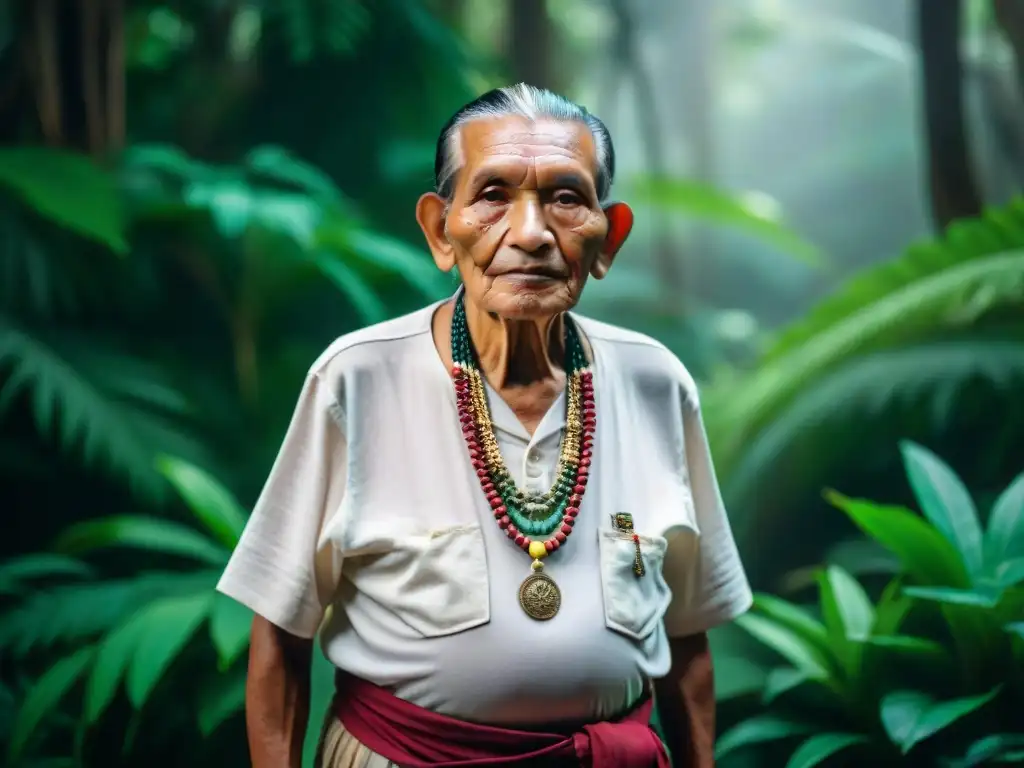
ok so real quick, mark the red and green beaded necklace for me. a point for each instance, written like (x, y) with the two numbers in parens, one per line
(538, 523)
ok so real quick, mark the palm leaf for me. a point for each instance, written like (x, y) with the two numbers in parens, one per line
(112, 411)
(710, 204)
(998, 231)
(146, 533)
(918, 308)
(77, 612)
(867, 388)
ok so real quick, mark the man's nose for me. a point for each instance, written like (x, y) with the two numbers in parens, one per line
(528, 228)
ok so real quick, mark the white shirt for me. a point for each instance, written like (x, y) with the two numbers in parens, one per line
(373, 529)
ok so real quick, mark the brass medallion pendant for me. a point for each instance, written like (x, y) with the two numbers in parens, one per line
(549, 516)
(540, 597)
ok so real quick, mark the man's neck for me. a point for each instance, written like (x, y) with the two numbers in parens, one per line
(517, 353)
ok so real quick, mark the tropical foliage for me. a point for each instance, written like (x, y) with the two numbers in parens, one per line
(903, 349)
(928, 674)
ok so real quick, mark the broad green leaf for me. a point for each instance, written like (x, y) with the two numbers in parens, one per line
(230, 622)
(168, 626)
(365, 301)
(758, 730)
(818, 748)
(1016, 628)
(68, 189)
(210, 501)
(910, 717)
(281, 165)
(754, 213)
(946, 503)
(788, 644)
(848, 611)
(922, 550)
(148, 533)
(219, 700)
(781, 680)
(1010, 573)
(794, 619)
(953, 596)
(1004, 539)
(44, 697)
(112, 658)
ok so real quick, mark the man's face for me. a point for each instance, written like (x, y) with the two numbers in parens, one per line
(525, 224)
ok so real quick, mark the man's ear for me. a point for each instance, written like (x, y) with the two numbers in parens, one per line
(430, 214)
(620, 224)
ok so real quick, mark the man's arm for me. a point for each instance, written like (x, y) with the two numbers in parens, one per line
(277, 695)
(686, 703)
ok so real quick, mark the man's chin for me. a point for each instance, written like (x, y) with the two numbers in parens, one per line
(532, 304)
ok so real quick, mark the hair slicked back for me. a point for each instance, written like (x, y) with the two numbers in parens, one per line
(519, 101)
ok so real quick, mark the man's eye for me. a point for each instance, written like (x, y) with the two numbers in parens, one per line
(568, 198)
(494, 195)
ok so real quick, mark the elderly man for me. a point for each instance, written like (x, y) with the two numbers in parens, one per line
(500, 516)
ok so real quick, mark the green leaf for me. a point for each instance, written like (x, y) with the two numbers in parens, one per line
(848, 612)
(44, 696)
(995, 746)
(1004, 539)
(924, 553)
(413, 264)
(143, 533)
(758, 730)
(73, 613)
(68, 189)
(819, 748)
(169, 624)
(781, 680)
(953, 596)
(112, 658)
(219, 700)
(796, 620)
(210, 501)
(910, 647)
(946, 503)
(753, 213)
(910, 717)
(15, 572)
(788, 644)
(230, 623)
(1010, 573)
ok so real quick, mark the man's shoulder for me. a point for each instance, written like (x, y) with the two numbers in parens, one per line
(374, 346)
(638, 356)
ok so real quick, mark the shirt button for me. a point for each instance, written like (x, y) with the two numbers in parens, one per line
(533, 457)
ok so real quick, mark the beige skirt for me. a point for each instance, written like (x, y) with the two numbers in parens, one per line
(339, 749)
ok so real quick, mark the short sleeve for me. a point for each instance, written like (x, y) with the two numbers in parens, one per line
(280, 569)
(707, 579)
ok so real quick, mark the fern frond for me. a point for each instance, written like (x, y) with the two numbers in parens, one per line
(997, 231)
(952, 297)
(868, 390)
(75, 612)
(113, 410)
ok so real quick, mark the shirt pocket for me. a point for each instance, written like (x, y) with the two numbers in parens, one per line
(435, 581)
(633, 605)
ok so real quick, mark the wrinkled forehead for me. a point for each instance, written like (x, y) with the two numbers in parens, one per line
(516, 146)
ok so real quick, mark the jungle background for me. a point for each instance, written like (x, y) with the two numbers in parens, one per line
(196, 197)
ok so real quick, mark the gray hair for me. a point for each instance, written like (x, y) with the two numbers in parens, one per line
(519, 101)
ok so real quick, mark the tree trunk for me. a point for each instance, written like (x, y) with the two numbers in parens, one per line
(530, 43)
(954, 192)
